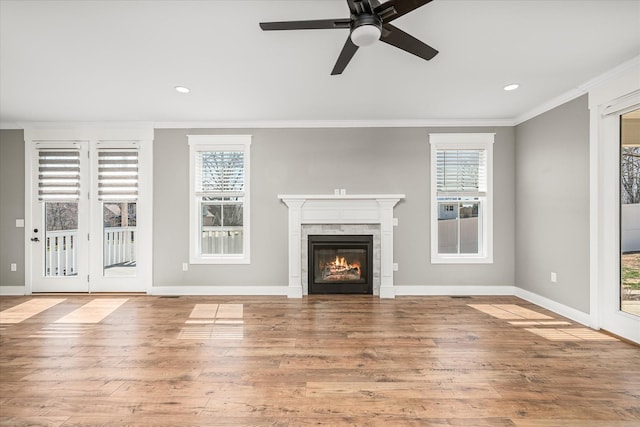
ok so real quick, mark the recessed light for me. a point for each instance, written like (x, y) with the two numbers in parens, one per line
(182, 89)
(512, 86)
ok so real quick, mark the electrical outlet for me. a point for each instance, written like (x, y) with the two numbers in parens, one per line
(395, 266)
(14, 266)
(395, 222)
(554, 277)
(185, 266)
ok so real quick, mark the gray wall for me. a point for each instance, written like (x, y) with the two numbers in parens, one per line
(552, 204)
(11, 206)
(315, 161)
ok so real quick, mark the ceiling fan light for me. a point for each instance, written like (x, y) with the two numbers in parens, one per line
(365, 35)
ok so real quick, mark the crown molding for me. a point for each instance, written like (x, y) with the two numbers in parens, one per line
(574, 93)
(611, 74)
(10, 126)
(270, 124)
(120, 125)
(549, 105)
(302, 124)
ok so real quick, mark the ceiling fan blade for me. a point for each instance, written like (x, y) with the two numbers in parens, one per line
(356, 7)
(394, 9)
(352, 7)
(319, 24)
(348, 50)
(398, 38)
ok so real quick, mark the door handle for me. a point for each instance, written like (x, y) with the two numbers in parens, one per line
(35, 239)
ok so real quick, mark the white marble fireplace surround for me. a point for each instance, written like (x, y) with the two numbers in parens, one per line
(309, 214)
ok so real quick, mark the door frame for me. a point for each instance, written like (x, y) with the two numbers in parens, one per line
(607, 102)
(143, 136)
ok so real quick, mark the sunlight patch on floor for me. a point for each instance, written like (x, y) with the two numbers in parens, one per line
(573, 334)
(214, 321)
(62, 331)
(22, 312)
(539, 323)
(94, 311)
(204, 311)
(509, 312)
(212, 332)
(520, 316)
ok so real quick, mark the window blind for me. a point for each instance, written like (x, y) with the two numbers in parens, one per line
(117, 174)
(59, 174)
(220, 172)
(461, 172)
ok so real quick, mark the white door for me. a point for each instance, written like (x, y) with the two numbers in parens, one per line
(89, 213)
(120, 217)
(59, 229)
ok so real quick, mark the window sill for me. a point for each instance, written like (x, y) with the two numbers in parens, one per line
(461, 260)
(220, 260)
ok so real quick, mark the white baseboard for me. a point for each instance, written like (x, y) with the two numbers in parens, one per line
(220, 290)
(453, 290)
(556, 307)
(13, 290)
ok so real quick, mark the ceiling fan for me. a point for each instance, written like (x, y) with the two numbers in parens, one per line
(369, 21)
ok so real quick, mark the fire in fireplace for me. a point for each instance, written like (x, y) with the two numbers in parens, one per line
(340, 264)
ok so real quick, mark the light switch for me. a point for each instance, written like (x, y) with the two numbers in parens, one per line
(19, 223)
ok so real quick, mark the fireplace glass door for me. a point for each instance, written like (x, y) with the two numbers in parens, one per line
(340, 264)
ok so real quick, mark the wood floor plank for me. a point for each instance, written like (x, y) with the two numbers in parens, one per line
(325, 360)
(33, 421)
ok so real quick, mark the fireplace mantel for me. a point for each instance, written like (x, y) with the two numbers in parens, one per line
(341, 209)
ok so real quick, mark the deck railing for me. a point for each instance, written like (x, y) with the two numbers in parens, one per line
(226, 241)
(119, 248)
(60, 253)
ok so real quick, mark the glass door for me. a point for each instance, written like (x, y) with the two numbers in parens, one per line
(116, 171)
(630, 212)
(86, 198)
(59, 228)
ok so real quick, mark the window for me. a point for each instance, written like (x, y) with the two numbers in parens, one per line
(461, 199)
(219, 190)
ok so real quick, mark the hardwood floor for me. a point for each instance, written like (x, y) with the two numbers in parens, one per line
(322, 360)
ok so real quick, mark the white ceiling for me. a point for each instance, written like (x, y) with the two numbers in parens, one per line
(95, 61)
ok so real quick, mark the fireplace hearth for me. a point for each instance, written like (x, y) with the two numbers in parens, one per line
(340, 264)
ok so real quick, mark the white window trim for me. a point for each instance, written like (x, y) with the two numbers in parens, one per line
(217, 143)
(463, 141)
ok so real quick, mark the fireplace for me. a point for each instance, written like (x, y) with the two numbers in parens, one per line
(340, 264)
(350, 214)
